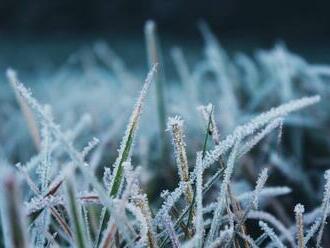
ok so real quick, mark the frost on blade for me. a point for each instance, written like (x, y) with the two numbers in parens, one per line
(107, 177)
(72, 134)
(143, 226)
(248, 145)
(265, 192)
(223, 239)
(47, 118)
(66, 142)
(141, 202)
(248, 239)
(75, 215)
(44, 171)
(175, 126)
(299, 211)
(246, 198)
(128, 139)
(221, 201)
(208, 115)
(199, 202)
(320, 221)
(168, 224)
(271, 234)
(125, 148)
(87, 225)
(27, 112)
(169, 202)
(312, 230)
(325, 207)
(262, 119)
(266, 217)
(260, 184)
(90, 146)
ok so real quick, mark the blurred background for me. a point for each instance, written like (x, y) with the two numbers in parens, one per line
(68, 24)
(298, 20)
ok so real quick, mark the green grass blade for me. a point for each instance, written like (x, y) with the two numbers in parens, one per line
(125, 150)
(207, 134)
(74, 210)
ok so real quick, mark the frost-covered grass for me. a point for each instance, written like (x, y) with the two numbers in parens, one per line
(202, 162)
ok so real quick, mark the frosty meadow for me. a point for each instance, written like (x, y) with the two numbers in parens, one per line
(221, 138)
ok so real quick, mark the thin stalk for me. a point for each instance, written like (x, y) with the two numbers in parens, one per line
(207, 133)
(154, 57)
(74, 210)
(11, 213)
(299, 211)
(125, 150)
(26, 110)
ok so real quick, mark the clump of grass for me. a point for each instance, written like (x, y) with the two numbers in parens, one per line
(204, 209)
(122, 180)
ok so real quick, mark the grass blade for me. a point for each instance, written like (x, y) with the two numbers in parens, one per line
(26, 110)
(154, 57)
(11, 213)
(125, 149)
(74, 210)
